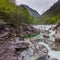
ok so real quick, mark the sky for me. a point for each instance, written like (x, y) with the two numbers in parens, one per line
(39, 5)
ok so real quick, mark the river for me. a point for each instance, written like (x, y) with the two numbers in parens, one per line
(44, 27)
(52, 53)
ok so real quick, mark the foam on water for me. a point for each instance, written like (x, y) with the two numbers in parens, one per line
(52, 53)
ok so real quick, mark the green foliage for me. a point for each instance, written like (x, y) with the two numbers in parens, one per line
(16, 15)
(51, 16)
(6, 7)
(52, 20)
(49, 19)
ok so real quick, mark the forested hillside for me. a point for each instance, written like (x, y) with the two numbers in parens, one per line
(13, 14)
(52, 15)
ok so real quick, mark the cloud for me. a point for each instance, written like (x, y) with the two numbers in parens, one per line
(40, 5)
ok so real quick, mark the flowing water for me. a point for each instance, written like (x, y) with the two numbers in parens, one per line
(43, 27)
(52, 53)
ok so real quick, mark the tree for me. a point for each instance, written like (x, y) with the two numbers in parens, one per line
(13, 14)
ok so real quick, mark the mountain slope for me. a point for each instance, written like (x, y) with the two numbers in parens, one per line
(32, 12)
(52, 15)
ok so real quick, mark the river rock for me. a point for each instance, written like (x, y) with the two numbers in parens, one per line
(57, 37)
(58, 29)
(56, 46)
(43, 48)
(49, 42)
(42, 53)
(26, 30)
(4, 34)
(54, 59)
(21, 45)
(43, 58)
(21, 35)
(8, 52)
(46, 35)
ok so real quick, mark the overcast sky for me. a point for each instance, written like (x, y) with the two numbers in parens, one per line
(40, 5)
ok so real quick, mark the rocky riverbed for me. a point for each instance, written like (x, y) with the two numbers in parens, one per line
(14, 43)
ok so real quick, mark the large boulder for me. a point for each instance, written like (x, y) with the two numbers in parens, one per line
(21, 45)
